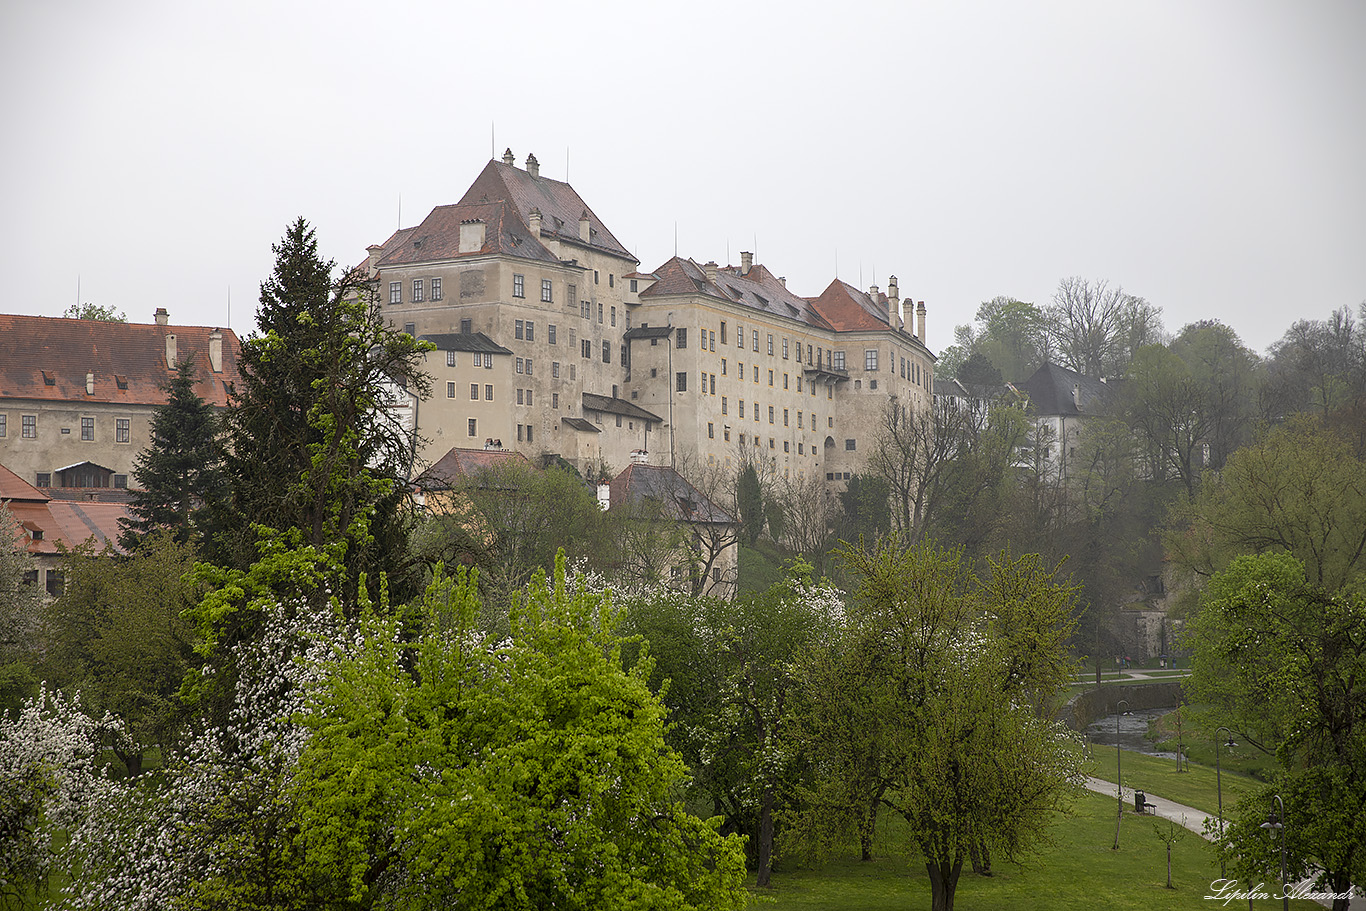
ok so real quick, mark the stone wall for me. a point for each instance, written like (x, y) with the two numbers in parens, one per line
(1085, 708)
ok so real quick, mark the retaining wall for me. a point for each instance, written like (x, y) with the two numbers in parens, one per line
(1086, 707)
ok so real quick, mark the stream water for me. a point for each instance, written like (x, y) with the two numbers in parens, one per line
(1133, 728)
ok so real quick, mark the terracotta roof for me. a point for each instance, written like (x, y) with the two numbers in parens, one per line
(559, 203)
(759, 289)
(438, 236)
(846, 308)
(459, 464)
(45, 357)
(666, 486)
(465, 341)
(47, 523)
(15, 488)
(1051, 391)
(607, 404)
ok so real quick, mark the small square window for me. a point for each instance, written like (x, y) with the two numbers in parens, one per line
(849, 445)
(121, 481)
(44, 479)
(518, 285)
(466, 327)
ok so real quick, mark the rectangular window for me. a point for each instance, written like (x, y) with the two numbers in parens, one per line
(466, 327)
(784, 380)
(121, 481)
(756, 339)
(555, 369)
(530, 331)
(4, 425)
(474, 427)
(799, 383)
(44, 479)
(756, 373)
(450, 358)
(395, 292)
(800, 416)
(586, 349)
(713, 339)
(518, 286)
(436, 289)
(518, 329)
(723, 366)
(611, 280)
(680, 337)
(554, 400)
(739, 335)
(528, 396)
(837, 360)
(723, 332)
(521, 365)
(849, 445)
(785, 417)
(122, 429)
(713, 384)
(571, 295)
(682, 382)
(770, 414)
(770, 377)
(770, 344)
(417, 290)
(474, 392)
(586, 309)
(599, 312)
(725, 409)
(742, 408)
(634, 286)
(450, 389)
(725, 433)
(488, 392)
(520, 394)
(614, 316)
(528, 367)
(801, 449)
(808, 355)
(550, 333)
(87, 428)
(870, 359)
(28, 427)
(547, 291)
(606, 351)
(787, 447)
(519, 433)
(711, 431)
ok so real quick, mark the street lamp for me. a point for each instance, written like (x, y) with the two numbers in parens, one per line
(1276, 821)
(1119, 773)
(1219, 783)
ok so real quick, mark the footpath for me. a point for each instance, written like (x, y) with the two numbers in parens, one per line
(1194, 820)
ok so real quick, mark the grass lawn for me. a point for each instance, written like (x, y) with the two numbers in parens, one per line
(1195, 787)
(1079, 871)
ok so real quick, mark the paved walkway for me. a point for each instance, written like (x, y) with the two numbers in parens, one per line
(1192, 819)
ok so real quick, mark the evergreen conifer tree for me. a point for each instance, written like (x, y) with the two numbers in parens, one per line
(180, 471)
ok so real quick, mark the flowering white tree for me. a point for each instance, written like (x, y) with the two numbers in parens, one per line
(48, 773)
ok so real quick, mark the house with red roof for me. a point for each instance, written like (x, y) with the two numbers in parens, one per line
(77, 397)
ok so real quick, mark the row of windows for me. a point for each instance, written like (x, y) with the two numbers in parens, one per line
(418, 291)
(82, 476)
(28, 428)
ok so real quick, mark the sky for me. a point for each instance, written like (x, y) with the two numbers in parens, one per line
(1207, 156)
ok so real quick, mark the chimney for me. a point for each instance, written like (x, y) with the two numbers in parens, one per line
(472, 235)
(585, 229)
(509, 159)
(372, 259)
(533, 167)
(162, 316)
(533, 221)
(872, 292)
(640, 457)
(783, 280)
(920, 321)
(746, 262)
(894, 304)
(90, 384)
(1076, 396)
(713, 271)
(216, 350)
(170, 351)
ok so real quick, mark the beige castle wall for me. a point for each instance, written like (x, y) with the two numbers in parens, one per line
(59, 442)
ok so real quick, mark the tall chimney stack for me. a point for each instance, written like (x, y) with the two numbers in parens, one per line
(585, 227)
(162, 317)
(533, 167)
(216, 350)
(533, 221)
(894, 317)
(170, 351)
(509, 159)
(920, 321)
(746, 262)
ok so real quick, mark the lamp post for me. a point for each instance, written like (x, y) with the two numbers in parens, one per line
(1119, 774)
(1276, 821)
(1219, 784)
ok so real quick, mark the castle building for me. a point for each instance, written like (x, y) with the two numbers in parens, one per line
(549, 338)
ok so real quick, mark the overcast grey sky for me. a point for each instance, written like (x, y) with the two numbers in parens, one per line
(1209, 156)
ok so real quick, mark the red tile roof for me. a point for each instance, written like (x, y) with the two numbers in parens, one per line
(759, 289)
(13, 487)
(438, 236)
(847, 309)
(458, 464)
(36, 349)
(44, 523)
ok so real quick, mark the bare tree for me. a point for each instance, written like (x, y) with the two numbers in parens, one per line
(913, 453)
(1096, 329)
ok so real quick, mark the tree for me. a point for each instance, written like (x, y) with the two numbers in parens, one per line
(21, 604)
(725, 668)
(96, 312)
(1318, 366)
(1299, 490)
(528, 772)
(1096, 329)
(1282, 659)
(1170, 412)
(314, 450)
(1230, 378)
(180, 471)
(979, 371)
(1169, 832)
(932, 705)
(1014, 337)
(749, 497)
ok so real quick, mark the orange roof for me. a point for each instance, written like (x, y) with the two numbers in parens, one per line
(48, 358)
(849, 309)
(68, 523)
(16, 489)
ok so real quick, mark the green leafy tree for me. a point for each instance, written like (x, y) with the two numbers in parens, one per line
(978, 370)
(1169, 411)
(1282, 659)
(728, 667)
(96, 312)
(749, 497)
(313, 450)
(180, 471)
(935, 705)
(21, 605)
(526, 773)
(1231, 379)
(1300, 490)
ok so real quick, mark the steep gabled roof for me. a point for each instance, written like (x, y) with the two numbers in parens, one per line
(1056, 390)
(848, 309)
(45, 357)
(15, 489)
(560, 204)
(758, 289)
(438, 236)
(681, 500)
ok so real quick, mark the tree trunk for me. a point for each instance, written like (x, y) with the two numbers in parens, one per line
(865, 835)
(766, 837)
(943, 884)
(981, 858)
(1169, 865)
